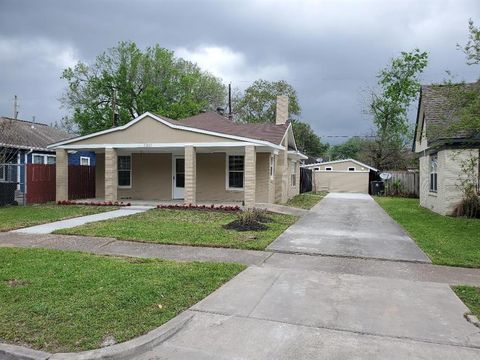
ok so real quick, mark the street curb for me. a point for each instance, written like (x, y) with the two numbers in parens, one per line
(126, 350)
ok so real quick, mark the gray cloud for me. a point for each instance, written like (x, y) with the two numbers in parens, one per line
(329, 50)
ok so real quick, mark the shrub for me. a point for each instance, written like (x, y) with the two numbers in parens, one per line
(469, 206)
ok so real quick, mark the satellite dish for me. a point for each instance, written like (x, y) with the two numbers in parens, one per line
(385, 176)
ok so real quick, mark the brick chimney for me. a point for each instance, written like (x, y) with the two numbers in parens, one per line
(282, 110)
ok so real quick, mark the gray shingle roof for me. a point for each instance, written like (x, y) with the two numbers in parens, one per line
(26, 134)
(439, 111)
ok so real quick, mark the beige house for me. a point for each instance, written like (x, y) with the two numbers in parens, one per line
(206, 158)
(346, 175)
(440, 153)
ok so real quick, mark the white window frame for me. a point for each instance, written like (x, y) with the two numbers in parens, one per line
(353, 168)
(293, 173)
(227, 172)
(44, 156)
(131, 171)
(328, 168)
(3, 167)
(272, 167)
(50, 156)
(85, 158)
(433, 171)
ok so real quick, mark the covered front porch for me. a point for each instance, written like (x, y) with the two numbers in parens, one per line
(229, 174)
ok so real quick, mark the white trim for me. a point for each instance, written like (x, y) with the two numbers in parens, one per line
(297, 154)
(340, 161)
(165, 122)
(174, 174)
(84, 158)
(19, 168)
(131, 172)
(227, 171)
(344, 171)
(161, 145)
(45, 158)
(271, 167)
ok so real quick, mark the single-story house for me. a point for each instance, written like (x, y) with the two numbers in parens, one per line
(440, 152)
(205, 158)
(347, 175)
(25, 142)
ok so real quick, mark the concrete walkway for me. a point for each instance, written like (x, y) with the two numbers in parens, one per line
(69, 223)
(350, 225)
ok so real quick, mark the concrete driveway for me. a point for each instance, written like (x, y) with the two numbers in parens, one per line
(351, 225)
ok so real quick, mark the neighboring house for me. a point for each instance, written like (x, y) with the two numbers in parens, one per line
(441, 153)
(346, 175)
(205, 158)
(25, 142)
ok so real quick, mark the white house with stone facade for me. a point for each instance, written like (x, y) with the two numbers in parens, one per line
(206, 158)
(440, 152)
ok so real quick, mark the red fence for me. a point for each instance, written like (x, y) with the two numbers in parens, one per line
(81, 182)
(41, 182)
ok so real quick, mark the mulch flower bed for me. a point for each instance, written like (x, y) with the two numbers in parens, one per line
(212, 207)
(93, 203)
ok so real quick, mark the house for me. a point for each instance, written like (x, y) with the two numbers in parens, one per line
(205, 158)
(440, 152)
(25, 142)
(347, 175)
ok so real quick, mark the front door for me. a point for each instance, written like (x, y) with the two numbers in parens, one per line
(178, 177)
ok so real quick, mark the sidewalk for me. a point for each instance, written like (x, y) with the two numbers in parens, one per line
(69, 223)
(331, 264)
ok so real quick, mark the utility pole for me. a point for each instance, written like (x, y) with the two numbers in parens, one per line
(230, 113)
(15, 107)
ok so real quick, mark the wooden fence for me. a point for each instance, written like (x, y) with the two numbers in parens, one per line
(403, 183)
(41, 181)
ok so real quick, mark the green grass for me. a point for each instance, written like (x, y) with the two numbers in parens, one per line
(185, 227)
(446, 240)
(15, 217)
(470, 296)
(306, 200)
(65, 301)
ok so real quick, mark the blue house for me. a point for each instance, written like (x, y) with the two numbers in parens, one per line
(25, 142)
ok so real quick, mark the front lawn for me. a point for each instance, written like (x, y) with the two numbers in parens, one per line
(446, 240)
(15, 217)
(306, 200)
(185, 227)
(470, 296)
(65, 301)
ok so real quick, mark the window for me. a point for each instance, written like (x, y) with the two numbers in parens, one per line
(2, 168)
(316, 169)
(272, 166)
(433, 172)
(293, 173)
(38, 159)
(51, 159)
(351, 169)
(328, 168)
(236, 168)
(84, 161)
(125, 171)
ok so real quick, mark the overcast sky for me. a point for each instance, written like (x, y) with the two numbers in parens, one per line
(330, 51)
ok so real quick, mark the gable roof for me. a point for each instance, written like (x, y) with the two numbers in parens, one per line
(16, 133)
(207, 123)
(438, 113)
(340, 161)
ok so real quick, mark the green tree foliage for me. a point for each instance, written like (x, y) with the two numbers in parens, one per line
(258, 102)
(307, 141)
(399, 86)
(151, 80)
(353, 148)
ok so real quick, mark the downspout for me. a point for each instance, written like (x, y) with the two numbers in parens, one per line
(25, 175)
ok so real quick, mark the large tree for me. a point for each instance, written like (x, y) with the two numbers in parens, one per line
(398, 87)
(307, 141)
(353, 148)
(258, 102)
(134, 81)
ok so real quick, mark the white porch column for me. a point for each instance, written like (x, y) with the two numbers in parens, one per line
(190, 175)
(250, 176)
(111, 174)
(61, 175)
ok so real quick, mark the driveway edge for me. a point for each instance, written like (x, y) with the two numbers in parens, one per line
(126, 350)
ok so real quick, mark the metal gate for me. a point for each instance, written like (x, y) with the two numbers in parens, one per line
(305, 180)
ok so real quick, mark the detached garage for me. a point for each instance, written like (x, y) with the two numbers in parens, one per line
(347, 175)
